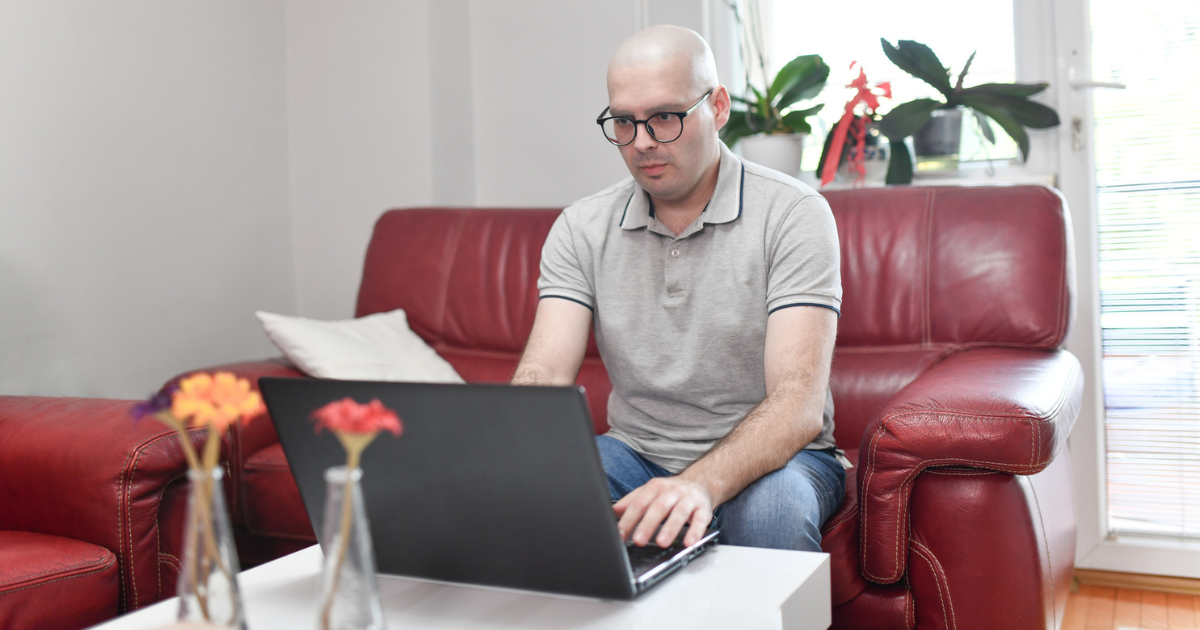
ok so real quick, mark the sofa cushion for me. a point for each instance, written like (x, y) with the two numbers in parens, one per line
(959, 266)
(378, 347)
(49, 582)
(866, 377)
(890, 607)
(271, 501)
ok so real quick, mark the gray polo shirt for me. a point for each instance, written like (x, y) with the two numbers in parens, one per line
(681, 321)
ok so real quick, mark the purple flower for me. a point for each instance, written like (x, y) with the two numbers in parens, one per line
(156, 403)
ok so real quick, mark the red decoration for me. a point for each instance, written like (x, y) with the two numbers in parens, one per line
(869, 97)
(348, 416)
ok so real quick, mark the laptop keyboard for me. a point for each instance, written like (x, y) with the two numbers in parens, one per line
(642, 559)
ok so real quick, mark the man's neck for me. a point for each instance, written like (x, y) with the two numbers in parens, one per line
(677, 214)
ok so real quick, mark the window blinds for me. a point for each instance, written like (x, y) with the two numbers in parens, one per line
(1147, 147)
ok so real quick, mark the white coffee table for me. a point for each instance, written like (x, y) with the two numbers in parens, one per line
(728, 587)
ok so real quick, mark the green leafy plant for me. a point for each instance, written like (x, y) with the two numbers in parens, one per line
(773, 110)
(1007, 104)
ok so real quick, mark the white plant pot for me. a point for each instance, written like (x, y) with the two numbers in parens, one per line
(781, 152)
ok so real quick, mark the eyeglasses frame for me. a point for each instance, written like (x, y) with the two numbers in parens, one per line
(646, 123)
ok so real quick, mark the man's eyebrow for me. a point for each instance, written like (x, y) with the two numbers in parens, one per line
(658, 109)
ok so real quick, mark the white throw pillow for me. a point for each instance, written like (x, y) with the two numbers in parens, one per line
(379, 347)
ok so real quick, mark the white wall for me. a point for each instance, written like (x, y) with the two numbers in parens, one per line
(360, 141)
(143, 190)
(168, 168)
(539, 68)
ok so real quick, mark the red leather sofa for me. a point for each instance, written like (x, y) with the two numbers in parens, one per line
(951, 390)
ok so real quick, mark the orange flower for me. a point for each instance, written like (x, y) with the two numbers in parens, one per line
(217, 400)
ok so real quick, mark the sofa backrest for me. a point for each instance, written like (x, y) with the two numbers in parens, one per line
(929, 271)
(467, 279)
(925, 272)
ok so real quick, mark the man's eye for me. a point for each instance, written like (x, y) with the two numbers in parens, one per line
(621, 122)
(663, 117)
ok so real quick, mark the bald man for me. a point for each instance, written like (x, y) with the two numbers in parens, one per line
(714, 288)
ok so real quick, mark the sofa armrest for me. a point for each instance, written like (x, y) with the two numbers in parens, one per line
(244, 439)
(84, 469)
(999, 409)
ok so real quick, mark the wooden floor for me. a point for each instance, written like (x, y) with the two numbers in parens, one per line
(1105, 608)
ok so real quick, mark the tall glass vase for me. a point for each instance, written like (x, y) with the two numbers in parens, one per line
(350, 592)
(208, 590)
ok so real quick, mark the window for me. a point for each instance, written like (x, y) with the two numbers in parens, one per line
(845, 33)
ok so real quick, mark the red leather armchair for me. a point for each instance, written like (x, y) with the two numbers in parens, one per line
(951, 390)
(92, 507)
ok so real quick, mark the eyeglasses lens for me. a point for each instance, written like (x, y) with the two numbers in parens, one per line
(662, 127)
(619, 131)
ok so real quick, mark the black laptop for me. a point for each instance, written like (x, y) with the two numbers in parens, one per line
(488, 484)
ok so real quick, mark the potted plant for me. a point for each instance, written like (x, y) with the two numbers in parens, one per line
(768, 123)
(933, 122)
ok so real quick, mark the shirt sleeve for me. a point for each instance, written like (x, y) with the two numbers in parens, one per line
(562, 270)
(804, 259)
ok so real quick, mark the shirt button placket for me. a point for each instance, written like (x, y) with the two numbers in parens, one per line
(676, 255)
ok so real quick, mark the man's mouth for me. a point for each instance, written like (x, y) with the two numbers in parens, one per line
(652, 169)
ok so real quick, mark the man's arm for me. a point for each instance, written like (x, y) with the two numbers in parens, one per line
(799, 350)
(556, 344)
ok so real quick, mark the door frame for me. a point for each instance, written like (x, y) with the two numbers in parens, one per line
(1054, 45)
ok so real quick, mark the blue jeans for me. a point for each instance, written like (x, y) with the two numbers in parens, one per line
(782, 510)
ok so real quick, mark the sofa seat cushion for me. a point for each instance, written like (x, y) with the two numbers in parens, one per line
(839, 539)
(50, 582)
(271, 500)
(879, 607)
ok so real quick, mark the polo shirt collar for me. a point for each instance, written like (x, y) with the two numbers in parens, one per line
(725, 205)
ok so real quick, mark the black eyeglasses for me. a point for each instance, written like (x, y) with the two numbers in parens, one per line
(663, 126)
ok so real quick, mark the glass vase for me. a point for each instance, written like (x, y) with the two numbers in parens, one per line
(208, 590)
(349, 592)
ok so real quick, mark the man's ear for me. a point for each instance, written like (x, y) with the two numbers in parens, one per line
(721, 104)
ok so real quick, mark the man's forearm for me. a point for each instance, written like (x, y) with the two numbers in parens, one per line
(556, 344)
(770, 435)
(530, 374)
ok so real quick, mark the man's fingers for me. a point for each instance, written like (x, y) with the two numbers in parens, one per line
(680, 514)
(697, 526)
(631, 507)
(658, 510)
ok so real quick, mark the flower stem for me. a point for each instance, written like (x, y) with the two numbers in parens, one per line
(353, 457)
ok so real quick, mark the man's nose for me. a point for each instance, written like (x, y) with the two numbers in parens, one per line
(644, 140)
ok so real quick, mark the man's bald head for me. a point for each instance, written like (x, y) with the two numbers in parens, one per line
(675, 50)
(665, 71)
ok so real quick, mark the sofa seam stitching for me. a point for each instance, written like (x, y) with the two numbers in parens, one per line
(158, 529)
(86, 563)
(140, 450)
(444, 285)
(96, 570)
(939, 577)
(863, 505)
(1049, 563)
(927, 330)
(121, 512)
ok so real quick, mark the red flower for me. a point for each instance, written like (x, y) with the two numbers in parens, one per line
(348, 416)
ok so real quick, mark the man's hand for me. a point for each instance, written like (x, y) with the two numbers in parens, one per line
(669, 501)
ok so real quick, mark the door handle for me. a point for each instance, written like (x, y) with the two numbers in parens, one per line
(1079, 85)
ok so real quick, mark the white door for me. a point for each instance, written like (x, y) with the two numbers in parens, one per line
(1129, 165)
